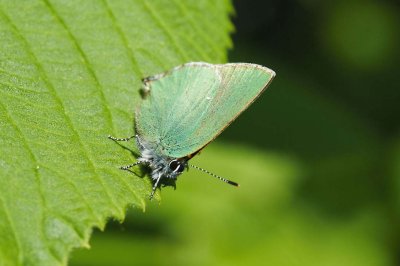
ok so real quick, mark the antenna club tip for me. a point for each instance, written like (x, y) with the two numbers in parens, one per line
(232, 183)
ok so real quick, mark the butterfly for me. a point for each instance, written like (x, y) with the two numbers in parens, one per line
(186, 108)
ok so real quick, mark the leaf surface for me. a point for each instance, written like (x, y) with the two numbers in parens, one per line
(69, 76)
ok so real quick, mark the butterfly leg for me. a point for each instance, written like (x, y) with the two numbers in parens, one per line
(129, 166)
(152, 78)
(155, 186)
(145, 90)
(123, 139)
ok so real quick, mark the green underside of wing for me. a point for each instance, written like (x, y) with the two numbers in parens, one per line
(190, 106)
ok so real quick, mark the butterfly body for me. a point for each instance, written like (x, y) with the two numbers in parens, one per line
(161, 164)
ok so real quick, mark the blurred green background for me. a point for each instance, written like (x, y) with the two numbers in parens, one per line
(317, 156)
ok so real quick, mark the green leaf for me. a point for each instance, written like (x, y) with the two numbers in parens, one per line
(69, 76)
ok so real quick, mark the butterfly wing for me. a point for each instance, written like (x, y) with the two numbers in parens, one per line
(192, 104)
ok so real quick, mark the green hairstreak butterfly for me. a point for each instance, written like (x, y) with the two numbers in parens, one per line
(186, 108)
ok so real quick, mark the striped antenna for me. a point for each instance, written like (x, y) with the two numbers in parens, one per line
(214, 175)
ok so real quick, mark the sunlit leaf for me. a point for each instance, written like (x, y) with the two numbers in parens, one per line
(69, 76)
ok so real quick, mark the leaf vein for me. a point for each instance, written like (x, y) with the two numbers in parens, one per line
(183, 10)
(58, 100)
(164, 27)
(13, 229)
(85, 61)
(67, 180)
(68, 119)
(124, 40)
(90, 69)
(34, 161)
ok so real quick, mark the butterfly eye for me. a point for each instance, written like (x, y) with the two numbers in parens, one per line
(176, 166)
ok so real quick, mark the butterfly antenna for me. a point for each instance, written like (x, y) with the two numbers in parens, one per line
(214, 175)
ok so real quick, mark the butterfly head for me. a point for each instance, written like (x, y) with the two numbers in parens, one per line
(177, 166)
